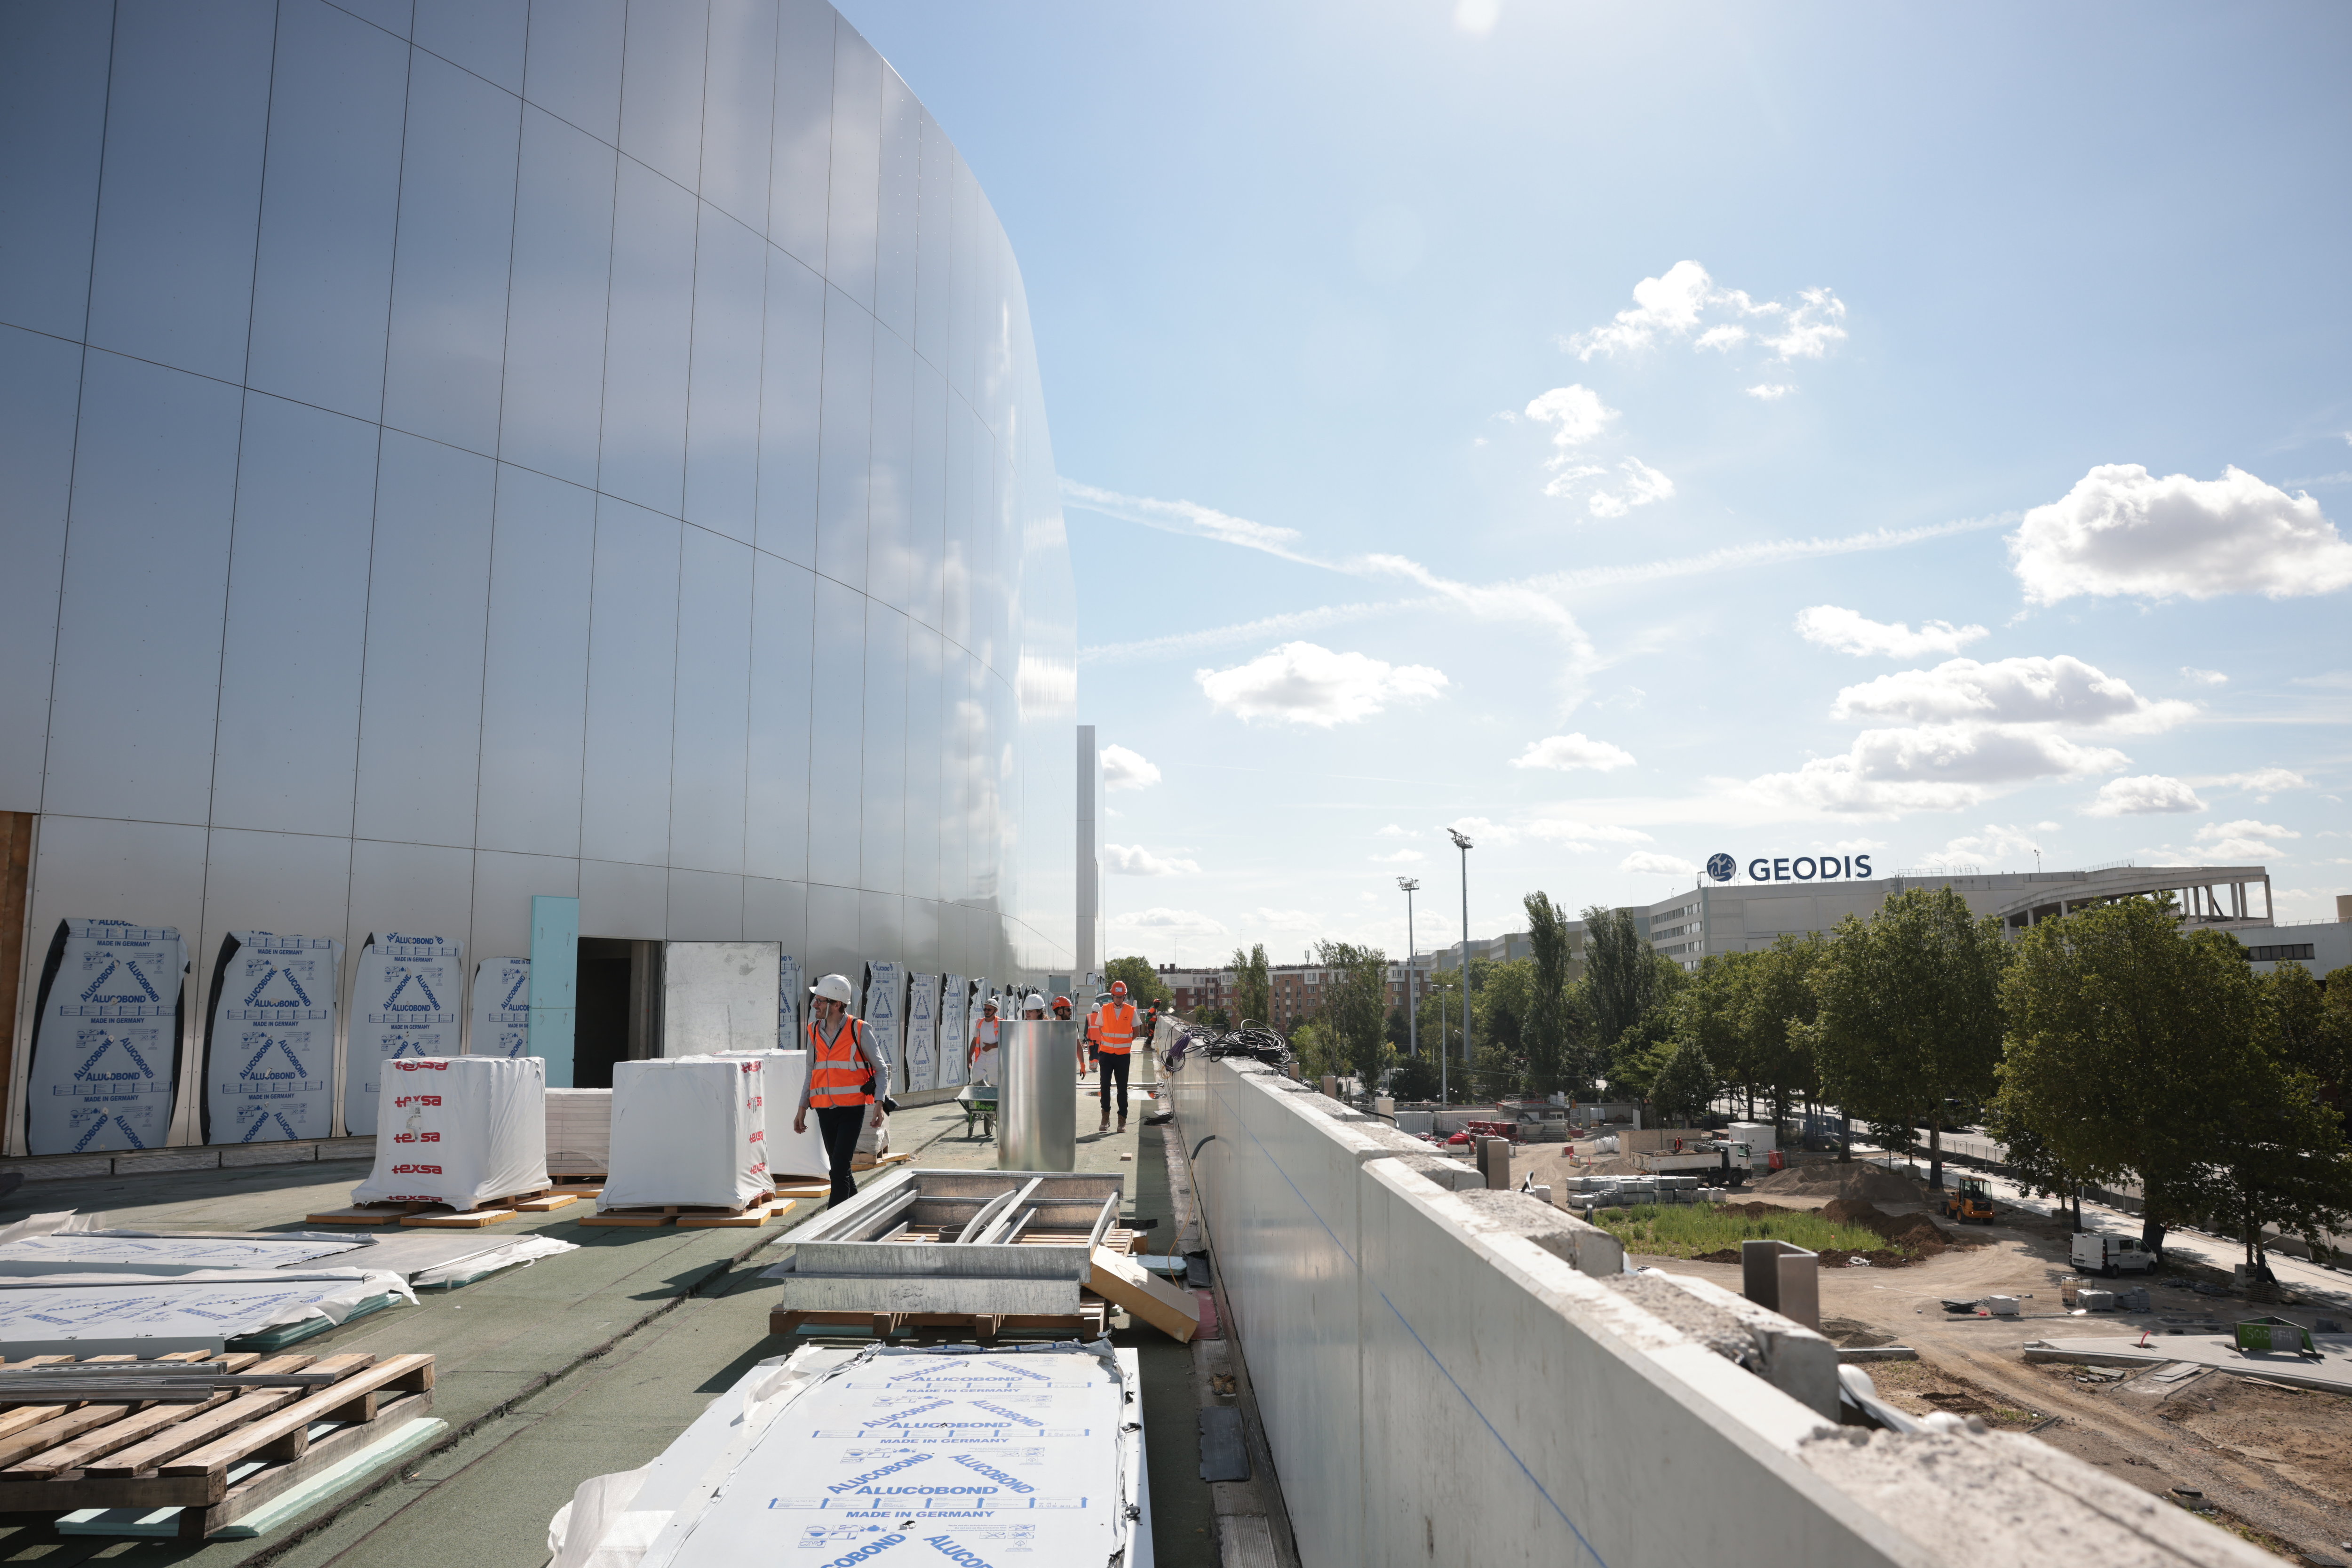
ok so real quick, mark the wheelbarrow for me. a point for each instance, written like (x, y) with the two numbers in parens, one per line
(977, 1103)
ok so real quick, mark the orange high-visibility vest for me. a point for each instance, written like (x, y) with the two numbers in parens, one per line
(836, 1074)
(1117, 1027)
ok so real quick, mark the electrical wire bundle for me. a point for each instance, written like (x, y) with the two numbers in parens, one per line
(1254, 1040)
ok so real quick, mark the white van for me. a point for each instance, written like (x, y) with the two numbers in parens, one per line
(2111, 1255)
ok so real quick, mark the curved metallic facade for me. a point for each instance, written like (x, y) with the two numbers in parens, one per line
(468, 449)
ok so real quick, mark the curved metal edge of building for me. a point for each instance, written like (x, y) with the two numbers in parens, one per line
(454, 452)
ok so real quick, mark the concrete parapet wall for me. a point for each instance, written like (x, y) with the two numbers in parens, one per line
(1445, 1377)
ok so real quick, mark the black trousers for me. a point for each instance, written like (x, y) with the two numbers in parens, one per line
(1113, 1066)
(839, 1126)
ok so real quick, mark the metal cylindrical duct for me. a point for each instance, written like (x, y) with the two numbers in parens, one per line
(1037, 1102)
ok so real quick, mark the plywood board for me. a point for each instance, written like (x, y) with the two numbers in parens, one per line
(1125, 1283)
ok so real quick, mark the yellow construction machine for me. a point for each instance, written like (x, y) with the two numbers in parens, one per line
(1970, 1201)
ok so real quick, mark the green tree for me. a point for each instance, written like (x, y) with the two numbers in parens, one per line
(1778, 1007)
(1621, 971)
(2123, 1040)
(1144, 986)
(2278, 1147)
(1910, 1012)
(1685, 1083)
(1253, 985)
(1415, 1078)
(1355, 1007)
(1547, 1037)
(1502, 999)
(1712, 1013)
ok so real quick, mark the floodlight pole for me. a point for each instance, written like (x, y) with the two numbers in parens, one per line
(1410, 885)
(1461, 842)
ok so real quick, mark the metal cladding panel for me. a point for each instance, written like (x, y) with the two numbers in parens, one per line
(1037, 1099)
(637, 249)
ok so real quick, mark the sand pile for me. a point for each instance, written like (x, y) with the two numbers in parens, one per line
(1828, 1179)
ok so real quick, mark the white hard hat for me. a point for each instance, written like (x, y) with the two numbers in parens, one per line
(989, 1005)
(834, 988)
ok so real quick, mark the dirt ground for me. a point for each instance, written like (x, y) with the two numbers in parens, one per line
(2271, 1463)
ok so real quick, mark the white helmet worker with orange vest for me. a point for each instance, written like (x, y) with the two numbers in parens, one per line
(982, 1060)
(1114, 1027)
(844, 1070)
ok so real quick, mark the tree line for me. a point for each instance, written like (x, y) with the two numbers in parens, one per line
(2104, 1048)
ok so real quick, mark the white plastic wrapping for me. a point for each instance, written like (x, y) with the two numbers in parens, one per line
(501, 1008)
(923, 1032)
(460, 1131)
(789, 1154)
(106, 1043)
(1024, 1456)
(269, 1040)
(687, 1131)
(404, 1003)
(129, 1315)
(885, 1018)
(955, 1031)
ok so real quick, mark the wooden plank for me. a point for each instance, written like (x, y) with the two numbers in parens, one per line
(369, 1214)
(182, 1436)
(470, 1219)
(121, 1433)
(750, 1219)
(554, 1200)
(332, 1449)
(407, 1371)
(1124, 1282)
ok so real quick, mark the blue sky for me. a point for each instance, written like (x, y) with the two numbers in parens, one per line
(1641, 431)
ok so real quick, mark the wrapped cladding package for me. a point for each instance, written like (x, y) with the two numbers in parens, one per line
(788, 1153)
(687, 1131)
(460, 1131)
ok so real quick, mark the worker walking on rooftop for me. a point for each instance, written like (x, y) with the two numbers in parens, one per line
(843, 1072)
(1114, 1042)
(982, 1061)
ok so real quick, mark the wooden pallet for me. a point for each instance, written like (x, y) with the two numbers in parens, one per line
(1090, 1321)
(444, 1216)
(687, 1216)
(199, 1456)
(865, 1162)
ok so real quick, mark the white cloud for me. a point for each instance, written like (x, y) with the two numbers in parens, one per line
(1584, 835)
(1134, 860)
(2026, 691)
(1769, 391)
(1476, 18)
(2203, 677)
(1995, 844)
(1573, 751)
(2122, 530)
(1932, 767)
(1485, 835)
(1644, 484)
(1849, 631)
(2149, 795)
(1188, 517)
(1285, 919)
(1576, 415)
(1123, 769)
(1302, 683)
(2262, 783)
(2244, 839)
(1167, 923)
(1393, 831)
(1397, 857)
(1674, 305)
(1647, 861)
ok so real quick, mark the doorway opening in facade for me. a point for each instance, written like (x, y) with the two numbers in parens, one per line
(620, 1007)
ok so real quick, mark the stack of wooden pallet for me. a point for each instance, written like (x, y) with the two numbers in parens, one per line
(214, 1435)
(490, 1211)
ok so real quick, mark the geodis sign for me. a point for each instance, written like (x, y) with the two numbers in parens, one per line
(1792, 869)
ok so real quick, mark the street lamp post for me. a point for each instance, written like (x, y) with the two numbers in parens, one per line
(1461, 842)
(1410, 885)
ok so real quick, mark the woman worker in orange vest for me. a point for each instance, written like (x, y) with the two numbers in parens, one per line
(843, 1071)
(1115, 1040)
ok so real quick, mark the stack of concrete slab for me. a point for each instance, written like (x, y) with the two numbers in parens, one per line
(579, 1131)
(460, 1130)
(688, 1131)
